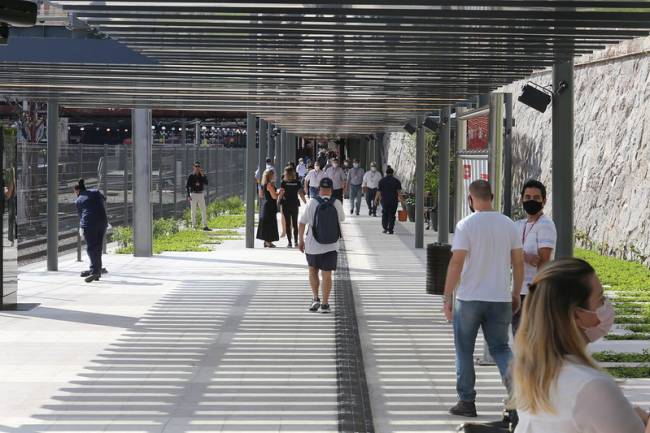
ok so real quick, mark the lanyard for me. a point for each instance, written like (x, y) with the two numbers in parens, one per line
(525, 236)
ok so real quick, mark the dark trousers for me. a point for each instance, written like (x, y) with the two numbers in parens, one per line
(388, 211)
(94, 242)
(290, 213)
(338, 193)
(516, 319)
(370, 200)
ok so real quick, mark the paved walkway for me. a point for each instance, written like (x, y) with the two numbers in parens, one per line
(222, 341)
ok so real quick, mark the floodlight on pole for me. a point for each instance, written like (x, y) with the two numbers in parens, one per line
(409, 127)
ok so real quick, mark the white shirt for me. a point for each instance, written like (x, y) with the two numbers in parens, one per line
(585, 401)
(535, 235)
(311, 244)
(314, 177)
(301, 169)
(488, 238)
(371, 179)
(337, 175)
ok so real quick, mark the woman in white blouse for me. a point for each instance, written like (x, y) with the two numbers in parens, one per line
(558, 388)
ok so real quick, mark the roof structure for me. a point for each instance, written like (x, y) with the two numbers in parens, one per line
(323, 67)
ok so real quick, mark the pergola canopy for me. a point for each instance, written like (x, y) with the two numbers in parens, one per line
(323, 67)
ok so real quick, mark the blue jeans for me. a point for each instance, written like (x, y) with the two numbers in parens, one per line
(494, 318)
(355, 197)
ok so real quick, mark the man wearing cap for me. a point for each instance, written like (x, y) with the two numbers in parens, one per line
(370, 184)
(321, 257)
(339, 180)
(195, 185)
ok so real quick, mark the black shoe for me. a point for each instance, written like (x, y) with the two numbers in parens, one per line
(464, 408)
(289, 245)
(325, 308)
(384, 231)
(92, 277)
(315, 305)
(85, 274)
(104, 271)
(206, 229)
(357, 213)
(390, 232)
(351, 211)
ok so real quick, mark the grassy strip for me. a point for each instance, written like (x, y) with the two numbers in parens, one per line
(609, 356)
(227, 222)
(629, 372)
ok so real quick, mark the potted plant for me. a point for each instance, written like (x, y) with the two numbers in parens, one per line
(410, 207)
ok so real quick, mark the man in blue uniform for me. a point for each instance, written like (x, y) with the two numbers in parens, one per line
(389, 193)
(93, 221)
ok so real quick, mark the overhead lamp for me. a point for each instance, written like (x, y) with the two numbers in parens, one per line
(126, 130)
(536, 96)
(163, 128)
(4, 33)
(108, 129)
(410, 128)
(82, 129)
(153, 127)
(18, 13)
(431, 123)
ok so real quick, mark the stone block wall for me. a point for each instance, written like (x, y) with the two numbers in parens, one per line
(399, 153)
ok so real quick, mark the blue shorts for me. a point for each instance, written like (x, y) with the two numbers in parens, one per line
(324, 262)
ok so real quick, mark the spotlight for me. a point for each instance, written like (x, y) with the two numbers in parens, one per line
(18, 13)
(535, 96)
(431, 123)
(82, 129)
(410, 128)
(4, 33)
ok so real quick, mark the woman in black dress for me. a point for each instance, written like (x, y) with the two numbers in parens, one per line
(290, 189)
(267, 230)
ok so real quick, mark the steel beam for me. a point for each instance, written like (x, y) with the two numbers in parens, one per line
(420, 166)
(263, 146)
(142, 210)
(53, 185)
(562, 154)
(443, 183)
(250, 179)
(507, 157)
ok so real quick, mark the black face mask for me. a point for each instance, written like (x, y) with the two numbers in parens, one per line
(533, 207)
(471, 204)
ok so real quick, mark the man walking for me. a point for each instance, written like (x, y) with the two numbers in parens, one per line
(301, 169)
(538, 236)
(389, 193)
(486, 246)
(195, 185)
(354, 181)
(324, 215)
(370, 184)
(336, 173)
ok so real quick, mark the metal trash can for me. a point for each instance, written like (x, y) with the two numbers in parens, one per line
(438, 257)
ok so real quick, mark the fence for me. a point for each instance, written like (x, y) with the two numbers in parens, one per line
(109, 168)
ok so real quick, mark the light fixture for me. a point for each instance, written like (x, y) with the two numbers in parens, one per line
(410, 128)
(536, 96)
(126, 130)
(82, 129)
(108, 129)
(153, 127)
(19, 13)
(431, 123)
(163, 128)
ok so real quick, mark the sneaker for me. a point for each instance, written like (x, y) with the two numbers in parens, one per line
(206, 229)
(92, 277)
(464, 408)
(315, 305)
(289, 245)
(384, 231)
(357, 213)
(390, 232)
(325, 308)
(85, 274)
(351, 211)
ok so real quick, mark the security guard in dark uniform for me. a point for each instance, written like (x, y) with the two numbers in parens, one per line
(389, 193)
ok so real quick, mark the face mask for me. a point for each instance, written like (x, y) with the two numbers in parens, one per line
(317, 167)
(373, 168)
(605, 316)
(335, 165)
(533, 207)
(471, 204)
(355, 165)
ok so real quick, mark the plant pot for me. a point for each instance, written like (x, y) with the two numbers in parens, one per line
(410, 209)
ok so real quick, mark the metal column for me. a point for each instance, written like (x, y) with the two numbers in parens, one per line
(507, 157)
(562, 164)
(271, 142)
(443, 183)
(420, 159)
(379, 144)
(263, 150)
(52, 185)
(142, 210)
(250, 180)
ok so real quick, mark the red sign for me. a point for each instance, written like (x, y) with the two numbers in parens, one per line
(477, 133)
(468, 172)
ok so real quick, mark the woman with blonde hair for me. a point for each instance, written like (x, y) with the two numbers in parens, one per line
(290, 190)
(267, 230)
(558, 387)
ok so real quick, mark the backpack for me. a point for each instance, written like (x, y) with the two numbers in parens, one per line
(326, 228)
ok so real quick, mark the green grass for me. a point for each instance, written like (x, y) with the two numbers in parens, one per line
(629, 372)
(227, 222)
(609, 356)
(628, 337)
(183, 241)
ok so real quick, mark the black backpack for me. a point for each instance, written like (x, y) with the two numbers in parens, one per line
(326, 226)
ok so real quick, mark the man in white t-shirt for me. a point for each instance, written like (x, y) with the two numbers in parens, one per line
(486, 246)
(369, 185)
(321, 257)
(538, 236)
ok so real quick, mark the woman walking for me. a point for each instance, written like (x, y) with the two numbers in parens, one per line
(267, 230)
(290, 189)
(558, 386)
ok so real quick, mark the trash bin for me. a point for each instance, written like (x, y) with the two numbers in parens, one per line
(438, 256)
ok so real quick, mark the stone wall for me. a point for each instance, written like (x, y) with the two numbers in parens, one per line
(612, 144)
(399, 153)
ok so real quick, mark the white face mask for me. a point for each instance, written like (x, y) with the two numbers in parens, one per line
(605, 315)
(317, 167)
(335, 165)
(373, 168)
(355, 165)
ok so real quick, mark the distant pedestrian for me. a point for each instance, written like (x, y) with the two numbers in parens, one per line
(322, 159)
(354, 181)
(538, 236)
(370, 184)
(324, 215)
(91, 208)
(301, 169)
(267, 229)
(486, 246)
(312, 180)
(339, 180)
(290, 191)
(195, 185)
(389, 193)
